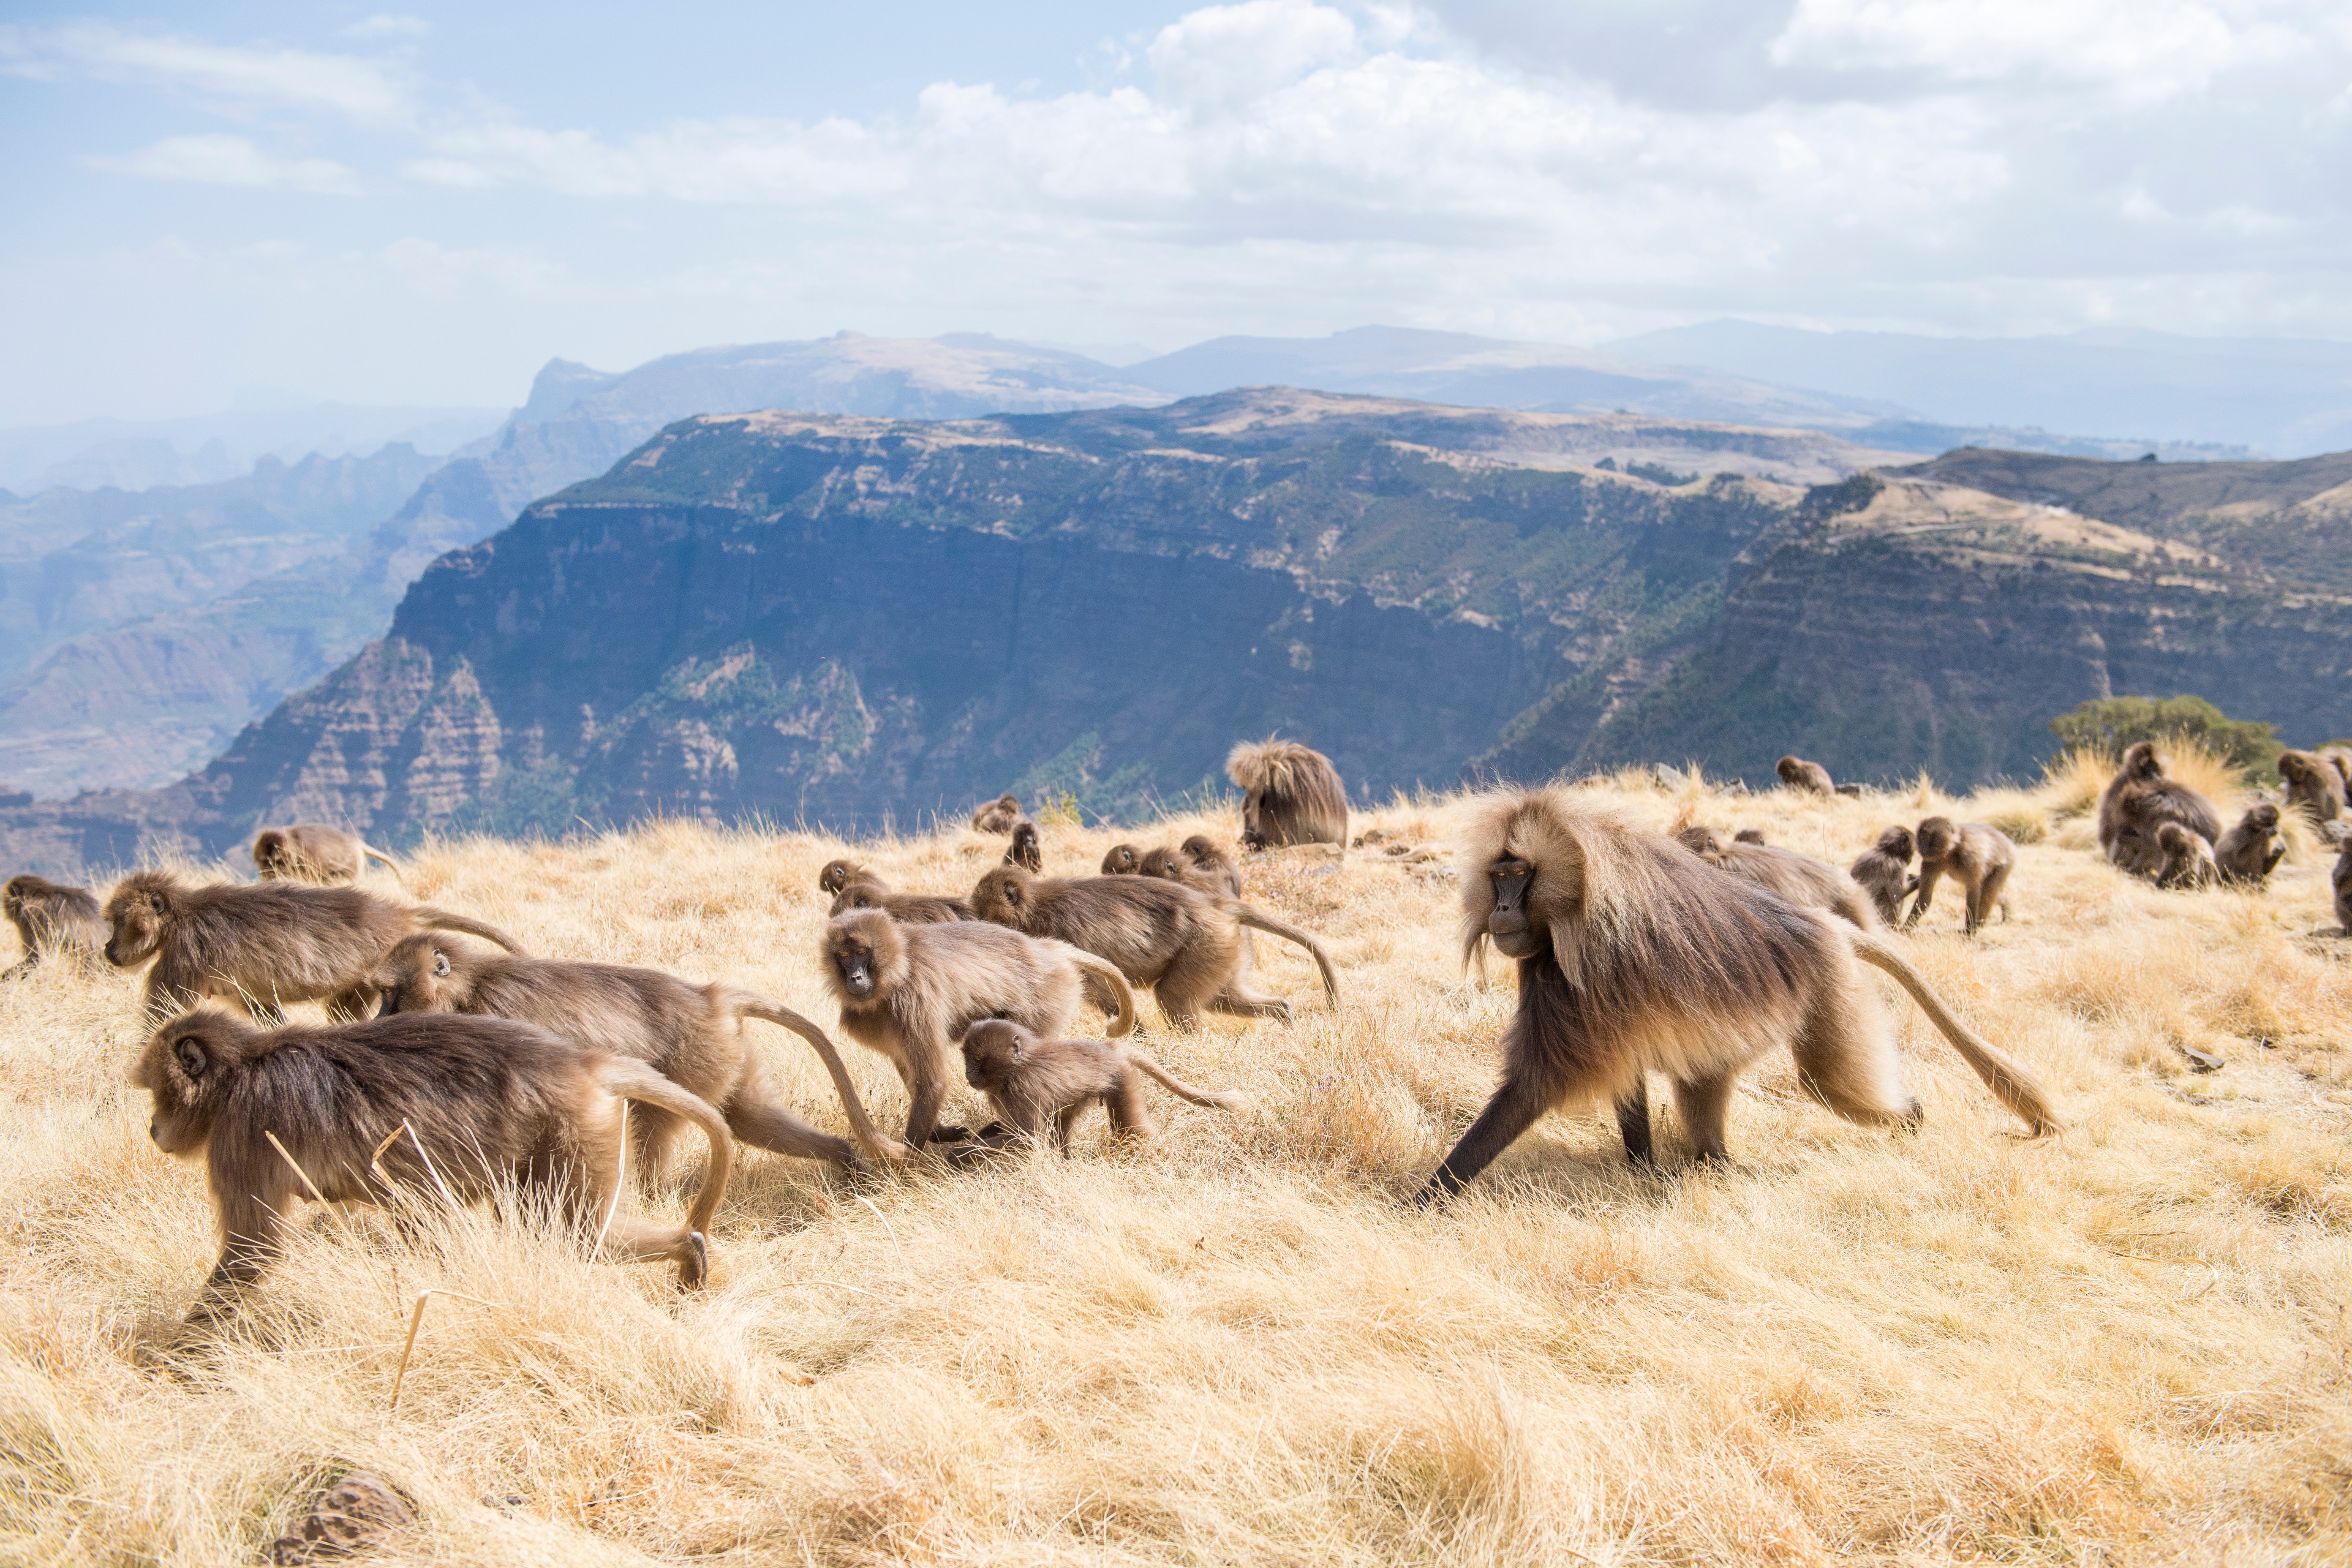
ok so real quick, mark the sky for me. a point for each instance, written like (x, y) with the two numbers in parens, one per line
(423, 206)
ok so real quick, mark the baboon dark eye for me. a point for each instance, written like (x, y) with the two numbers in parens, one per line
(191, 1058)
(440, 963)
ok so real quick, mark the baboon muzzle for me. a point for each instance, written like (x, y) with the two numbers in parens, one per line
(858, 979)
(1507, 923)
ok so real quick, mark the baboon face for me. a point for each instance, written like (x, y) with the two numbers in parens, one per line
(185, 1067)
(1788, 770)
(1938, 838)
(1201, 851)
(419, 976)
(2140, 762)
(2292, 768)
(836, 876)
(863, 953)
(1124, 860)
(2265, 818)
(1897, 842)
(1003, 896)
(991, 1050)
(1163, 863)
(1507, 925)
(1703, 842)
(1253, 819)
(137, 913)
(269, 855)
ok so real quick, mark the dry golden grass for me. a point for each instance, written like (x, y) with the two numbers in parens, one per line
(2127, 1345)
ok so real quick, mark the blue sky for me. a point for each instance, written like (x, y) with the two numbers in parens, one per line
(421, 206)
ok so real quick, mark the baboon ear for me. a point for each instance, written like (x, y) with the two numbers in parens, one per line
(440, 962)
(189, 1051)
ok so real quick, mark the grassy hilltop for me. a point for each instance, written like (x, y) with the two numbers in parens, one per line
(2125, 1346)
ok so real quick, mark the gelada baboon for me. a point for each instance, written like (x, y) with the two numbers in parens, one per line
(909, 992)
(265, 944)
(839, 874)
(859, 889)
(1122, 860)
(1977, 855)
(691, 1035)
(1800, 879)
(1290, 795)
(1200, 865)
(1024, 850)
(314, 852)
(1883, 871)
(1808, 778)
(2187, 859)
(2339, 882)
(2251, 851)
(492, 1103)
(2139, 800)
(999, 814)
(1749, 836)
(56, 922)
(1635, 954)
(1031, 1082)
(2313, 786)
(1183, 944)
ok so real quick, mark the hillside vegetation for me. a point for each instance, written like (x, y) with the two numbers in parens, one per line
(2128, 1345)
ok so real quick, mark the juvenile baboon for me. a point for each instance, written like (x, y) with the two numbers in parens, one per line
(999, 814)
(1200, 865)
(493, 1104)
(2340, 760)
(1031, 1082)
(909, 992)
(839, 874)
(691, 1035)
(314, 852)
(56, 922)
(1635, 954)
(1290, 795)
(265, 944)
(865, 890)
(1024, 850)
(2339, 882)
(2314, 786)
(1800, 879)
(2139, 800)
(2187, 859)
(1122, 860)
(1808, 778)
(1211, 856)
(1183, 944)
(1749, 836)
(1976, 856)
(1884, 870)
(2251, 851)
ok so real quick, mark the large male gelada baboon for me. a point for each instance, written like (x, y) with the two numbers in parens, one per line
(2140, 799)
(1635, 954)
(1290, 795)
(57, 923)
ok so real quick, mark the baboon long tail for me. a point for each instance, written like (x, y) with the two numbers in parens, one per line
(372, 853)
(1175, 1086)
(749, 1005)
(1258, 919)
(633, 1079)
(2011, 1083)
(446, 920)
(1110, 975)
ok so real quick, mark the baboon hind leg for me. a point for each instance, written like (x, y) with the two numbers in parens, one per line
(1988, 894)
(755, 1117)
(634, 1240)
(1705, 1105)
(1845, 1059)
(1241, 1002)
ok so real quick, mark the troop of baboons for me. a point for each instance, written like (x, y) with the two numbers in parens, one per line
(450, 1069)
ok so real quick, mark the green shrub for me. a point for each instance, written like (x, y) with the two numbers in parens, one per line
(2249, 745)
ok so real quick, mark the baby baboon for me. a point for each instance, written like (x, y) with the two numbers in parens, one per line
(865, 890)
(2187, 859)
(262, 946)
(314, 852)
(998, 816)
(911, 992)
(1123, 861)
(691, 1035)
(56, 922)
(2314, 786)
(1031, 1082)
(1635, 954)
(1800, 879)
(1290, 795)
(1183, 944)
(1885, 872)
(494, 1103)
(1749, 836)
(1807, 778)
(1024, 850)
(1210, 856)
(2139, 799)
(839, 874)
(1976, 856)
(2251, 851)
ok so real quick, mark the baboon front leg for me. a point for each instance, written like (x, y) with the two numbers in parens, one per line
(1924, 897)
(1705, 1105)
(1515, 1108)
(1634, 1121)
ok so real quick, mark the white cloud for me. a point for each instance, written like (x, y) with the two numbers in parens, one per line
(342, 85)
(231, 161)
(386, 25)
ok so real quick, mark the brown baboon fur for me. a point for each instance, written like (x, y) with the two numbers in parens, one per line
(1199, 865)
(839, 874)
(1183, 944)
(1212, 856)
(2140, 798)
(1031, 1082)
(998, 816)
(1749, 836)
(2339, 882)
(1024, 850)
(691, 1035)
(1884, 870)
(2187, 859)
(314, 852)
(491, 1103)
(909, 992)
(2341, 761)
(1635, 955)
(1977, 855)
(2251, 851)
(1810, 778)
(265, 944)
(1290, 795)
(1122, 860)
(56, 922)
(1800, 879)
(2314, 786)
(865, 890)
